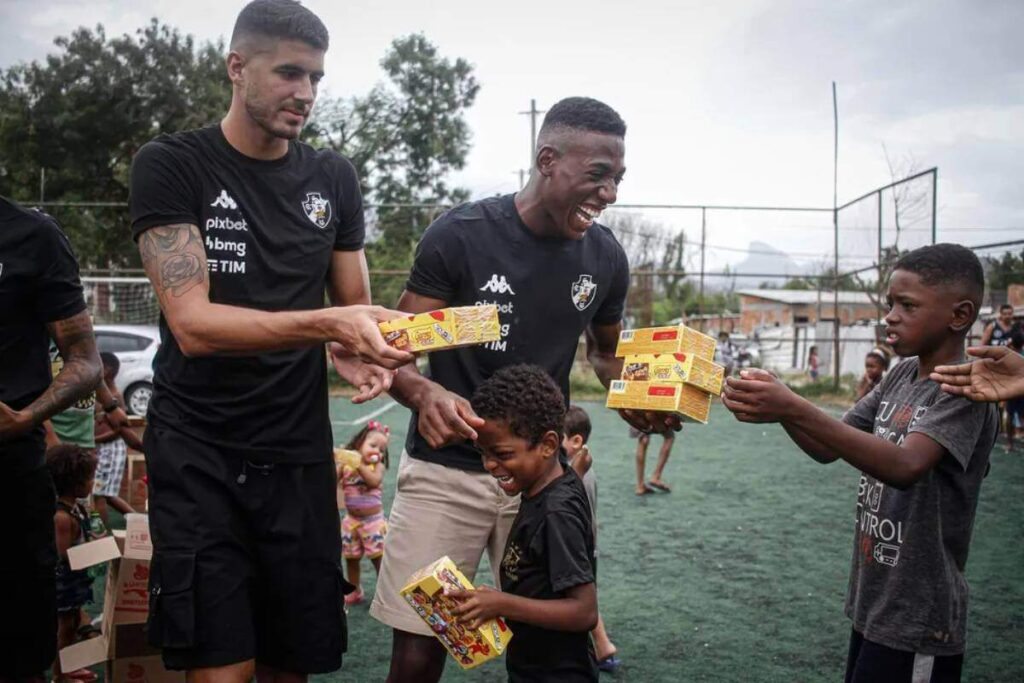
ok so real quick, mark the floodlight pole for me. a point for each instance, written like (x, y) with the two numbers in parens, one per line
(835, 230)
(703, 237)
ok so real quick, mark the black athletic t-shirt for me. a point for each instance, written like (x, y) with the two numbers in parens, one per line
(39, 284)
(550, 549)
(269, 228)
(548, 291)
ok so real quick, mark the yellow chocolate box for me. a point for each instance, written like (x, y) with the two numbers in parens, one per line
(447, 328)
(674, 367)
(689, 402)
(425, 594)
(673, 339)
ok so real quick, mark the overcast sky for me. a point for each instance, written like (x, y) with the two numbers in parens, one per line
(725, 102)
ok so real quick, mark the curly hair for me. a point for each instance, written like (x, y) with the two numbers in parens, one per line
(584, 113)
(70, 467)
(577, 422)
(947, 264)
(356, 442)
(526, 397)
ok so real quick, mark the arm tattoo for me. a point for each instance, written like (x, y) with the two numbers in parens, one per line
(81, 371)
(174, 258)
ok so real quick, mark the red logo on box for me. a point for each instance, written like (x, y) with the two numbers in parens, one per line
(661, 391)
(663, 336)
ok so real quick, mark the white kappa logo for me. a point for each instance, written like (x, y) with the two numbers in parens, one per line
(224, 201)
(318, 209)
(583, 292)
(497, 284)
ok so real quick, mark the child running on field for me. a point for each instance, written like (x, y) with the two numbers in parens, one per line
(548, 593)
(72, 469)
(922, 454)
(363, 525)
(875, 365)
(577, 434)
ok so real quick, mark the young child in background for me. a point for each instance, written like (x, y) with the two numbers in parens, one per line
(111, 449)
(363, 525)
(875, 365)
(577, 434)
(922, 454)
(1014, 406)
(813, 363)
(548, 593)
(72, 469)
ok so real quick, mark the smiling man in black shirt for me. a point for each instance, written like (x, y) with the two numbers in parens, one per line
(241, 228)
(554, 274)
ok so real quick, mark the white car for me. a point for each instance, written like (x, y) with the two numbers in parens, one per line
(135, 346)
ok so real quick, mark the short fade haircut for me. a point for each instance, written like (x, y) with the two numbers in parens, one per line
(70, 466)
(586, 114)
(1005, 306)
(947, 264)
(577, 423)
(110, 361)
(281, 19)
(526, 397)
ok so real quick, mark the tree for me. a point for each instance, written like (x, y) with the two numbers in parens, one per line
(73, 123)
(650, 247)
(405, 136)
(1003, 271)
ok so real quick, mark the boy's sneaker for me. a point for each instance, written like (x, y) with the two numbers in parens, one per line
(355, 597)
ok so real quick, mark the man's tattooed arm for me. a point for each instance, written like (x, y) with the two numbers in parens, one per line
(79, 376)
(174, 259)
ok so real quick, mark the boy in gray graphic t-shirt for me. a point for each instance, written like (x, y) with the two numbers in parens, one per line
(922, 454)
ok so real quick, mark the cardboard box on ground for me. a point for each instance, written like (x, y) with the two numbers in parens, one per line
(133, 485)
(122, 643)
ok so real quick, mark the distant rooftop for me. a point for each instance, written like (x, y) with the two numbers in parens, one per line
(805, 296)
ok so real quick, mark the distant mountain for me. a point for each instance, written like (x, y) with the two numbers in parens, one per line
(765, 259)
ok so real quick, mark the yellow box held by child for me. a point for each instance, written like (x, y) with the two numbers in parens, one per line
(674, 367)
(689, 402)
(425, 594)
(447, 328)
(673, 339)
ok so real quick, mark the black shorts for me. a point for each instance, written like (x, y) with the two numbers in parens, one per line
(28, 633)
(246, 561)
(869, 662)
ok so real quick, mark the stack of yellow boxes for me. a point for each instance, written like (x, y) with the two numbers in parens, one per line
(667, 369)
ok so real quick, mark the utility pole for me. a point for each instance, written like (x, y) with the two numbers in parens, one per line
(532, 113)
(703, 236)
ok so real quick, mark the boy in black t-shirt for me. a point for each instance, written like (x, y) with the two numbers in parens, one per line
(548, 594)
(922, 454)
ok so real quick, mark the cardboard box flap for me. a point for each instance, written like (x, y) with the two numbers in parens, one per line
(84, 654)
(93, 552)
(138, 545)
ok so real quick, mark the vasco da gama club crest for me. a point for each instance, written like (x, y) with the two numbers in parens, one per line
(583, 291)
(317, 209)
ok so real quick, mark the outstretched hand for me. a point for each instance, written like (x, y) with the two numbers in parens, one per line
(997, 375)
(355, 330)
(758, 396)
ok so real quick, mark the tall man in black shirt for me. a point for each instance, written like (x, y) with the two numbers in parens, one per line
(554, 274)
(241, 228)
(40, 299)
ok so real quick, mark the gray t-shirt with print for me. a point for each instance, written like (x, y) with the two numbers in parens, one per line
(907, 588)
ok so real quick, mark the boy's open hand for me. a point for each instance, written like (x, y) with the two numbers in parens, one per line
(758, 396)
(997, 375)
(476, 606)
